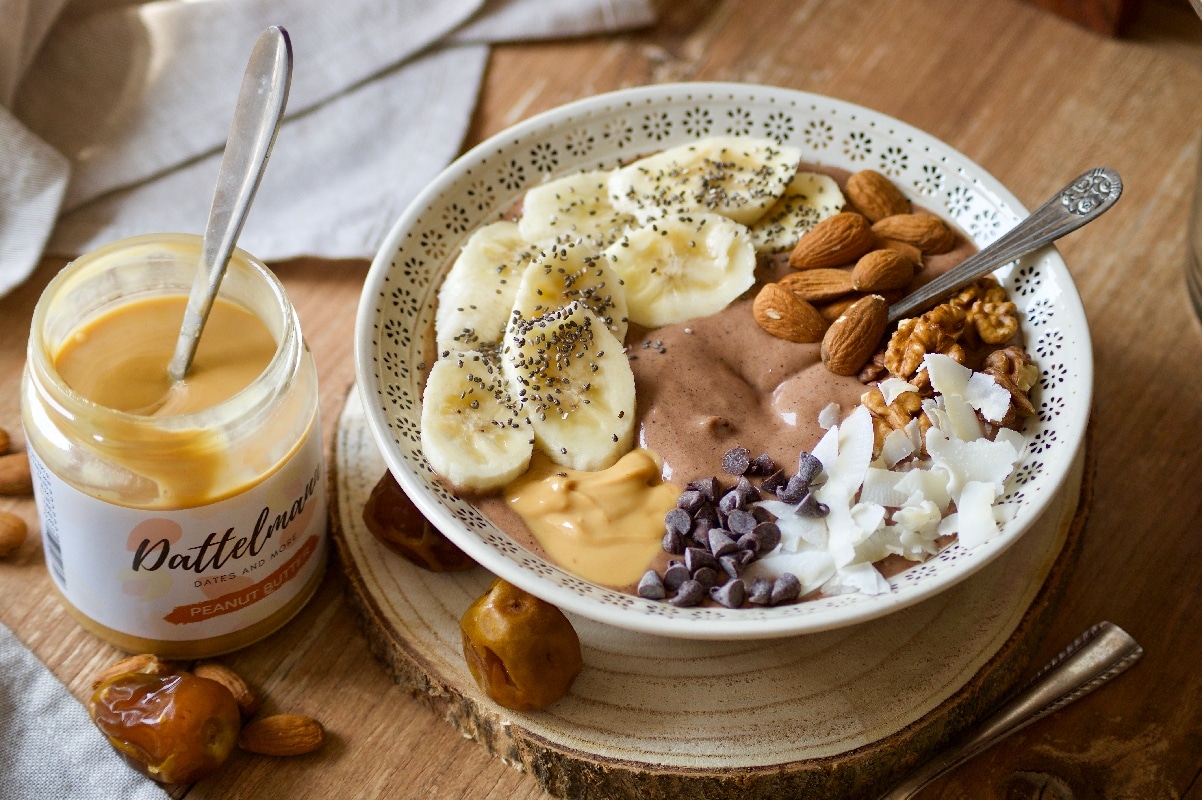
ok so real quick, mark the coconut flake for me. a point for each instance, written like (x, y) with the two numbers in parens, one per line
(986, 395)
(860, 577)
(966, 462)
(964, 424)
(892, 387)
(829, 416)
(947, 376)
(880, 486)
(813, 568)
(897, 445)
(976, 524)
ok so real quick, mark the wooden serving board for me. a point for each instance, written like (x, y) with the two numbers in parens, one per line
(839, 714)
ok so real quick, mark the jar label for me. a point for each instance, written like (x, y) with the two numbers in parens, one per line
(189, 574)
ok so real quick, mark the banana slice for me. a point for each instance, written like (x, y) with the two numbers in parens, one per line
(572, 271)
(573, 207)
(477, 294)
(739, 178)
(576, 384)
(809, 199)
(680, 268)
(474, 433)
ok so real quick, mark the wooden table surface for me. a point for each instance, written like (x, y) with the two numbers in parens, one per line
(1034, 99)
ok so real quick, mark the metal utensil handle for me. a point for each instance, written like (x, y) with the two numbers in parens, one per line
(257, 117)
(1098, 655)
(1083, 200)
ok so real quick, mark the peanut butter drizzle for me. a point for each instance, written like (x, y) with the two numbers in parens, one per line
(604, 526)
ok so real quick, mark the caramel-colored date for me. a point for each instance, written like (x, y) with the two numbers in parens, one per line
(522, 651)
(175, 728)
(393, 519)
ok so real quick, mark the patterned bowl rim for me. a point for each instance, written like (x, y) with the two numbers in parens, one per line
(604, 605)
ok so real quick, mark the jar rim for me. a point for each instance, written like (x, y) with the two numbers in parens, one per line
(284, 360)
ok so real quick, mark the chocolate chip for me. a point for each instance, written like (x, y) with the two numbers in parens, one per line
(762, 514)
(690, 593)
(785, 589)
(700, 534)
(673, 542)
(749, 542)
(736, 461)
(774, 481)
(676, 574)
(731, 564)
(730, 594)
(747, 491)
(651, 587)
(709, 514)
(746, 556)
(720, 543)
(762, 465)
(679, 521)
(768, 536)
(740, 522)
(760, 592)
(690, 501)
(695, 558)
(810, 507)
(794, 490)
(808, 466)
(707, 576)
(709, 487)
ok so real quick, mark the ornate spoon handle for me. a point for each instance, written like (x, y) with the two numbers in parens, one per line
(1098, 655)
(1082, 201)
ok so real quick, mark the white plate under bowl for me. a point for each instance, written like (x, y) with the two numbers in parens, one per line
(396, 311)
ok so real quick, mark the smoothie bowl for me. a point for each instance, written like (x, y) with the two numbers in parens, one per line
(854, 513)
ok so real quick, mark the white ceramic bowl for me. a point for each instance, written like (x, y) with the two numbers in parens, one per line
(397, 310)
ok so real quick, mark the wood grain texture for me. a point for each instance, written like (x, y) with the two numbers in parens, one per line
(829, 715)
(1033, 99)
(1111, 17)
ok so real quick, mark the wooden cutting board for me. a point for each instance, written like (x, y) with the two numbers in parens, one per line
(839, 714)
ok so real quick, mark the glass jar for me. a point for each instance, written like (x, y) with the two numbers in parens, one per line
(190, 534)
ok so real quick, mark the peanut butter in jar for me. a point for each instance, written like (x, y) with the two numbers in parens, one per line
(182, 519)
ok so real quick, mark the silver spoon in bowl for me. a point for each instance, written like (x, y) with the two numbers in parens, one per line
(1083, 200)
(257, 117)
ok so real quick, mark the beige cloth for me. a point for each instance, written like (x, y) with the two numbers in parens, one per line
(117, 112)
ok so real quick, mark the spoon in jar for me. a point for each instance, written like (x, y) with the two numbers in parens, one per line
(1083, 200)
(257, 117)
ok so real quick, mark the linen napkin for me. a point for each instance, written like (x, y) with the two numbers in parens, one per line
(132, 101)
(49, 747)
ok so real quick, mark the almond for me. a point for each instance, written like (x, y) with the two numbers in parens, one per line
(927, 232)
(146, 663)
(818, 285)
(14, 474)
(786, 316)
(854, 336)
(248, 703)
(834, 309)
(908, 250)
(282, 735)
(5, 441)
(881, 270)
(834, 241)
(875, 196)
(12, 532)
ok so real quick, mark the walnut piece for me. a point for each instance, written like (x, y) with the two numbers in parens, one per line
(895, 416)
(936, 331)
(1014, 371)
